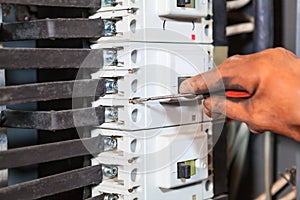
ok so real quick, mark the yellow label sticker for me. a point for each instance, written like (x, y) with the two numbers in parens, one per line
(192, 163)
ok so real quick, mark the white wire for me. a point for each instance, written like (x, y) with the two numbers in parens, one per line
(236, 4)
(247, 27)
(277, 186)
(290, 196)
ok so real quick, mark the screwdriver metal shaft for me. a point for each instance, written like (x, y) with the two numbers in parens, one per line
(229, 94)
(171, 97)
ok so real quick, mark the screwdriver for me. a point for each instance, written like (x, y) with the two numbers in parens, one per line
(229, 94)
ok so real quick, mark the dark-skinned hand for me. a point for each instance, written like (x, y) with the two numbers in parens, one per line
(271, 77)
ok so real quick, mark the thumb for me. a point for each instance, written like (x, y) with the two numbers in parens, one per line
(190, 85)
(203, 83)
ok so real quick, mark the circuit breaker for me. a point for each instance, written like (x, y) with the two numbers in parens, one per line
(161, 149)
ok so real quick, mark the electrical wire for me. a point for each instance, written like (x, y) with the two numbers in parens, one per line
(236, 29)
(290, 196)
(236, 4)
(277, 186)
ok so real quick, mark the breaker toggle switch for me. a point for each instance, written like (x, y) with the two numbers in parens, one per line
(182, 3)
(183, 171)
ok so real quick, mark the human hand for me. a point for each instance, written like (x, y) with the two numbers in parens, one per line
(271, 77)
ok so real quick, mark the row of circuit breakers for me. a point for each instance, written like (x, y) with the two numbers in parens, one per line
(153, 150)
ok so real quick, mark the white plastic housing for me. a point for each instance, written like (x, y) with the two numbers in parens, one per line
(153, 69)
(156, 44)
(153, 20)
(147, 162)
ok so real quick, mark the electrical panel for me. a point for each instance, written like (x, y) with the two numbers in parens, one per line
(162, 149)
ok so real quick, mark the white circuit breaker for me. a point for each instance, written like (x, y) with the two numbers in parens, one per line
(154, 150)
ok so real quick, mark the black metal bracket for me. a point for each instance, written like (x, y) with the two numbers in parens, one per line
(53, 184)
(52, 29)
(57, 3)
(51, 91)
(30, 155)
(35, 58)
(53, 120)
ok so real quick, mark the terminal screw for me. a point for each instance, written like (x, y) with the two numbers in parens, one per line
(111, 114)
(110, 57)
(110, 172)
(111, 197)
(110, 28)
(110, 144)
(111, 86)
(109, 2)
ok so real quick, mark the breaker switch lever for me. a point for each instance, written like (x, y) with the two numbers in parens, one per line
(183, 171)
(182, 3)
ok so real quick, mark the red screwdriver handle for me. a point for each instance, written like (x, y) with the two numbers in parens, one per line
(237, 94)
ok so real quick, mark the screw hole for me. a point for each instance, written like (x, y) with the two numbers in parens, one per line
(134, 115)
(133, 26)
(134, 86)
(133, 145)
(134, 56)
(134, 175)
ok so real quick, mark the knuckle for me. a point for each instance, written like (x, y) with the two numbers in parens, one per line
(280, 49)
(275, 51)
(235, 57)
